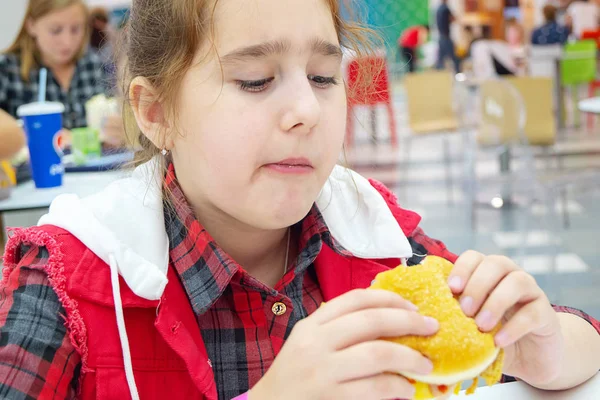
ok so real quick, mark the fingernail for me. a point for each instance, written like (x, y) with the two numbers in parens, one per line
(426, 368)
(484, 320)
(502, 339)
(455, 283)
(466, 304)
(432, 324)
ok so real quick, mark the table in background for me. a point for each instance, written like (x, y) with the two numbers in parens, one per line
(26, 197)
(521, 391)
(591, 106)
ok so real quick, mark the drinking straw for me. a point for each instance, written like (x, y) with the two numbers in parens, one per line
(43, 83)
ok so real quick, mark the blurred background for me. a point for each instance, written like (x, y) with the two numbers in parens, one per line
(484, 118)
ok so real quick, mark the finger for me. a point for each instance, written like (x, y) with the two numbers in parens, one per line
(518, 287)
(376, 357)
(483, 281)
(463, 268)
(360, 299)
(375, 323)
(384, 386)
(527, 319)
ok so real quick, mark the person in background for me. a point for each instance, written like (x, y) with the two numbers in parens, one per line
(445, 18)
(12, 137)
(409, 42)
(54, 35)
(551, 32)
(583, 15)
(102, 38)
(492, 58)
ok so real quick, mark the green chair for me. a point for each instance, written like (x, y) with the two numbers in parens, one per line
(578, 67)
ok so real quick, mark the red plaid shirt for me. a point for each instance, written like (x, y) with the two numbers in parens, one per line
(234, 310)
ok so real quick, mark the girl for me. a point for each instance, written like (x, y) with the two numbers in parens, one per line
(54, 35)
(201, 275)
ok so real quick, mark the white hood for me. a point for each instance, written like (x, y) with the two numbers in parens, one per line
(124, 226)
(124, 221)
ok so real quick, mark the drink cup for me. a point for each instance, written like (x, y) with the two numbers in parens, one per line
(43, 125)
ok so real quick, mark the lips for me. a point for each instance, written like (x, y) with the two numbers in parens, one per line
(298, 165)
(294, 162)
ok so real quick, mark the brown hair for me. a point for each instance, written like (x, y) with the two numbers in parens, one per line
(163, 37)
(98, 37)
(550, 13)
(25, 46)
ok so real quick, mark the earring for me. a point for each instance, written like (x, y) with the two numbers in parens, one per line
(164, 152)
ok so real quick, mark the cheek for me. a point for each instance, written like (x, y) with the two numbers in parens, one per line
(47, 43)
(80, 37)
(333, 122)
(222, 144)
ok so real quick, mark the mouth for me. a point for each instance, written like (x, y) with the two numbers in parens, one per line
(291, 166)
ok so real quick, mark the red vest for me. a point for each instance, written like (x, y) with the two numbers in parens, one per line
(168, 354)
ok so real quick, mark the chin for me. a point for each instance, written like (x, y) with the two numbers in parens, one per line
(279, 216)
(459, 350)
(64, 59)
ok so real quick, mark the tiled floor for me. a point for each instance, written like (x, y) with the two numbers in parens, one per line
(565, 261)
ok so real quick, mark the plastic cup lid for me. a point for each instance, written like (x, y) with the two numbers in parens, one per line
(28, 110)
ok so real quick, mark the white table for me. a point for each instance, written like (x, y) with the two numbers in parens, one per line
(590, 105)
(27, 197)
(521, 391)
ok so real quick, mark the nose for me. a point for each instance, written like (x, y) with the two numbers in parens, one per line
(302, 108)
(69, 40)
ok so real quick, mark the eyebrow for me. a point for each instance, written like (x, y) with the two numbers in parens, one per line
(278, 47)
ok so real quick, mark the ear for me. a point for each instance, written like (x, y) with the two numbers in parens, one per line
(30, 27)
(149, 113)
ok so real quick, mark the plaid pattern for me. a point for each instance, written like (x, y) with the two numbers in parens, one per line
(422, 245)
(89, 80)
(37, 358)
(234, 311)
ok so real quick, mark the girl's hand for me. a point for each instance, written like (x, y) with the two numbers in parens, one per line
(113, 132)
(494, 289)
(336, 352)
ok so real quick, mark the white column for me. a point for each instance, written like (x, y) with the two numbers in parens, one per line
(11, 19)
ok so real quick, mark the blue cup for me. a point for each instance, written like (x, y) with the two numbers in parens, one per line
(43, 126)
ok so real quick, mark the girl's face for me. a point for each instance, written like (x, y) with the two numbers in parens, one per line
(261, 129)
(59, 34)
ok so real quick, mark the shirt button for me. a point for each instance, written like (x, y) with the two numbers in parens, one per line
(279, 309)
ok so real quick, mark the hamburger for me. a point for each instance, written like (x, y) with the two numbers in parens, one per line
(459, 351)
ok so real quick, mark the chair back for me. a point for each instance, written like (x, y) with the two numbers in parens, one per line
(502, 114)
(376, 89)
(578, 65)
(430, 101)
(542, 60)
(537, 95)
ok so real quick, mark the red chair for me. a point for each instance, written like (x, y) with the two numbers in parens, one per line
(593, 35)
(372, 91)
